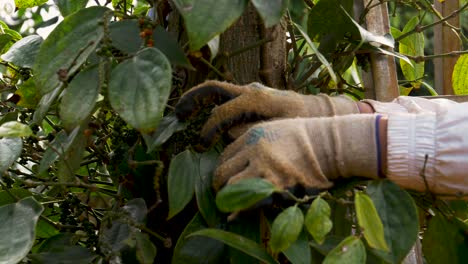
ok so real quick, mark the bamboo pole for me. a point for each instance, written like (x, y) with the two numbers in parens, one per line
(445, 40)
(384, 76)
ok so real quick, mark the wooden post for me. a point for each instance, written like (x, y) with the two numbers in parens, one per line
(445, 40)
(384, 78)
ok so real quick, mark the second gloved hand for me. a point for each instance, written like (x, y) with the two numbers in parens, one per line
(303, 152)
(239, 105)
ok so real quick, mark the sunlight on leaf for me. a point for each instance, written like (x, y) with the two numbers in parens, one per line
(369, 221)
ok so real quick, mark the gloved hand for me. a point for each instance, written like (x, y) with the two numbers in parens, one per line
(238, 105)
(306, 152)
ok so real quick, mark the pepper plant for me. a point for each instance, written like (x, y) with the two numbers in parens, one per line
(96, 168)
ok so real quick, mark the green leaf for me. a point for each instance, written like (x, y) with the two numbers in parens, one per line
(17, 232)
(239, 242)
(68, 7)
(68, 46)
(181, 181)
(15, 129)
(29, 96)
(65, 254)
(5, 196)
(460, 76)
(145, 249)
(271, 11)
(203, 191)
(243, 194)
(445, 241)
(141, 99)
(369, 221)
(79, 98)
(286, 228)
(57, 148)
(44, 104)
(327, 18)
(10, 150)
(168, 125)
(118, 230)
(317, 220)
(412, 45)
(202, 23)
(298, 10)
(24, 51)
(299, 251)
(399, 216)
(168, 45)
(369, 37)
(197, 249)
(29, 3)
(350, 251)
(317, 53)
(70, 159)
(125, 36)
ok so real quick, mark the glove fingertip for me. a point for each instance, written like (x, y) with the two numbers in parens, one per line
(209, 92)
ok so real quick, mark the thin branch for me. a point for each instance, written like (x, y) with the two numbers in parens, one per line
(421, 29)
(430, 57)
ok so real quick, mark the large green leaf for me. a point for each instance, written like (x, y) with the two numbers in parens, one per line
(412, 45)
(299, 251)
(271, 11)
(286, 228)
(197, 249)
(17, 231)
(10, 150)
(15, 129)
(460, 76)
(125, 36)
(168, 45)
(139, 89)
(66, 254)
(182, 177)
(369, 221)
(68, 47)
(203, 23)
(29, 3)
(350, 251)
(327, 18)
(24, 51)
(317, 219)
(243, 194)
(239, 242)
(68, 7)
(445, 241)
(203, 191)
(399, 216)
(79, 98)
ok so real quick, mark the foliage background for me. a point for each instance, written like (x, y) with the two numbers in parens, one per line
(96, 168)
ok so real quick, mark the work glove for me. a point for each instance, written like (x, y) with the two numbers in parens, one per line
(240, 105)
(307, 152)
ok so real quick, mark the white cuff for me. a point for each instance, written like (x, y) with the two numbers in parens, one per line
(385, 108)
(411, 138)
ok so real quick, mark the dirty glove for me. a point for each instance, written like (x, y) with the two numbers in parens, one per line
(303, 152)
(254, 102)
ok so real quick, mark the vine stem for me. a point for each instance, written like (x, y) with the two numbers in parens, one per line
(442, 20)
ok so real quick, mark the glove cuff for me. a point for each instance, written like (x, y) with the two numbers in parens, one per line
(323, 105)
(349, 143)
